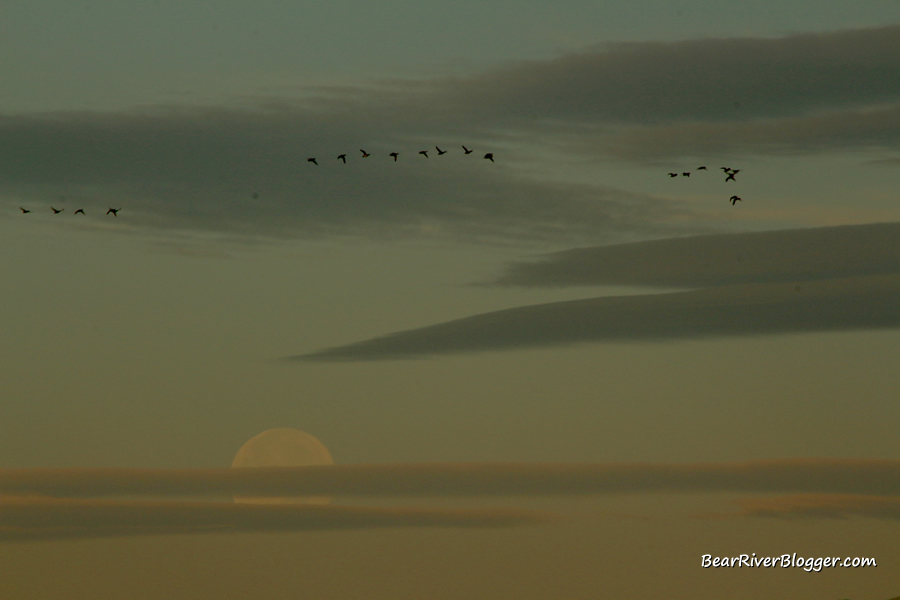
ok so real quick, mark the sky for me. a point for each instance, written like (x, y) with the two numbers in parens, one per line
(562, 372)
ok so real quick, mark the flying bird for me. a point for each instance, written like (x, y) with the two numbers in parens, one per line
(686, 174)
(343, 157)
(701, 168)
(424, 153)
(731, 176)
(440, 151)
(114, 211)
(313, 161)
(467, 150)
(734, 199)
(80, 211)
(364, 153)
(726, 169)
(489, 156)
(56, 211)
(394, 154)
(24, 210)
(673, 174)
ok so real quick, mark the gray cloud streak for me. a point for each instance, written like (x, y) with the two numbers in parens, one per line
(36, 518)
(738, 310)
(846, 476)
(822, 506)
(245, 172)
(726, 259)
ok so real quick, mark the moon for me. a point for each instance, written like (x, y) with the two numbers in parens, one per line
(282, 447)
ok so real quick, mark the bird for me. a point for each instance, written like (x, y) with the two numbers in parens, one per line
(80, 211)
(701, 168)
(313, 161)
(343, 157)
(24, 210)
(489, 156)
(394, 154)
(364, 153)
(440, 151)
(424, 153)
(686, 174)
(56, 211)
(673, 174)
(735, 199)
(114, 211)
(467, 150)
(731, 176)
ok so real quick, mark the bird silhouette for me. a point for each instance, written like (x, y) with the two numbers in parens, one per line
(56, 211)
(114, 211)
(440, 151)
(673, 174)
(313, 161)
(364, 153)
(686, 174)
(467, 150)
(394, 154)
(731, 176)
(489, 156)
(24, 210)
(701, 168)
(343, 157)
(424, 153)
(80, 211)
(735, 199)
(726, 169)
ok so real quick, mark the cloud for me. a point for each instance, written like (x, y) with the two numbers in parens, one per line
(838, 476)
(725, 259)
(659, 82)
(822, 506)
(34, 518)
(832, 131)
(736, 310)
(244, 171)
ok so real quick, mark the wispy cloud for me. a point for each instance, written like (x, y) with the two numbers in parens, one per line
(737, 310)
(843, 476)
(822, 506)
(244, 171)
(712, 260)
(39, 518)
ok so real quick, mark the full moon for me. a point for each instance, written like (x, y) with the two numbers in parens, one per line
(283, 447)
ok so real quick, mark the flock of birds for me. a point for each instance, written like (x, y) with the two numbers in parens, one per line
(729, 176)
(343, 157)
(112, 211)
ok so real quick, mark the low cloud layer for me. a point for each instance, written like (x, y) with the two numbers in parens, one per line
(822, 506)
(738, 310)
(837, 476)
(726, 259)
(26, 518)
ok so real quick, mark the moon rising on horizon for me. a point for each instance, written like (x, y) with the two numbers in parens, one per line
(282, 447)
